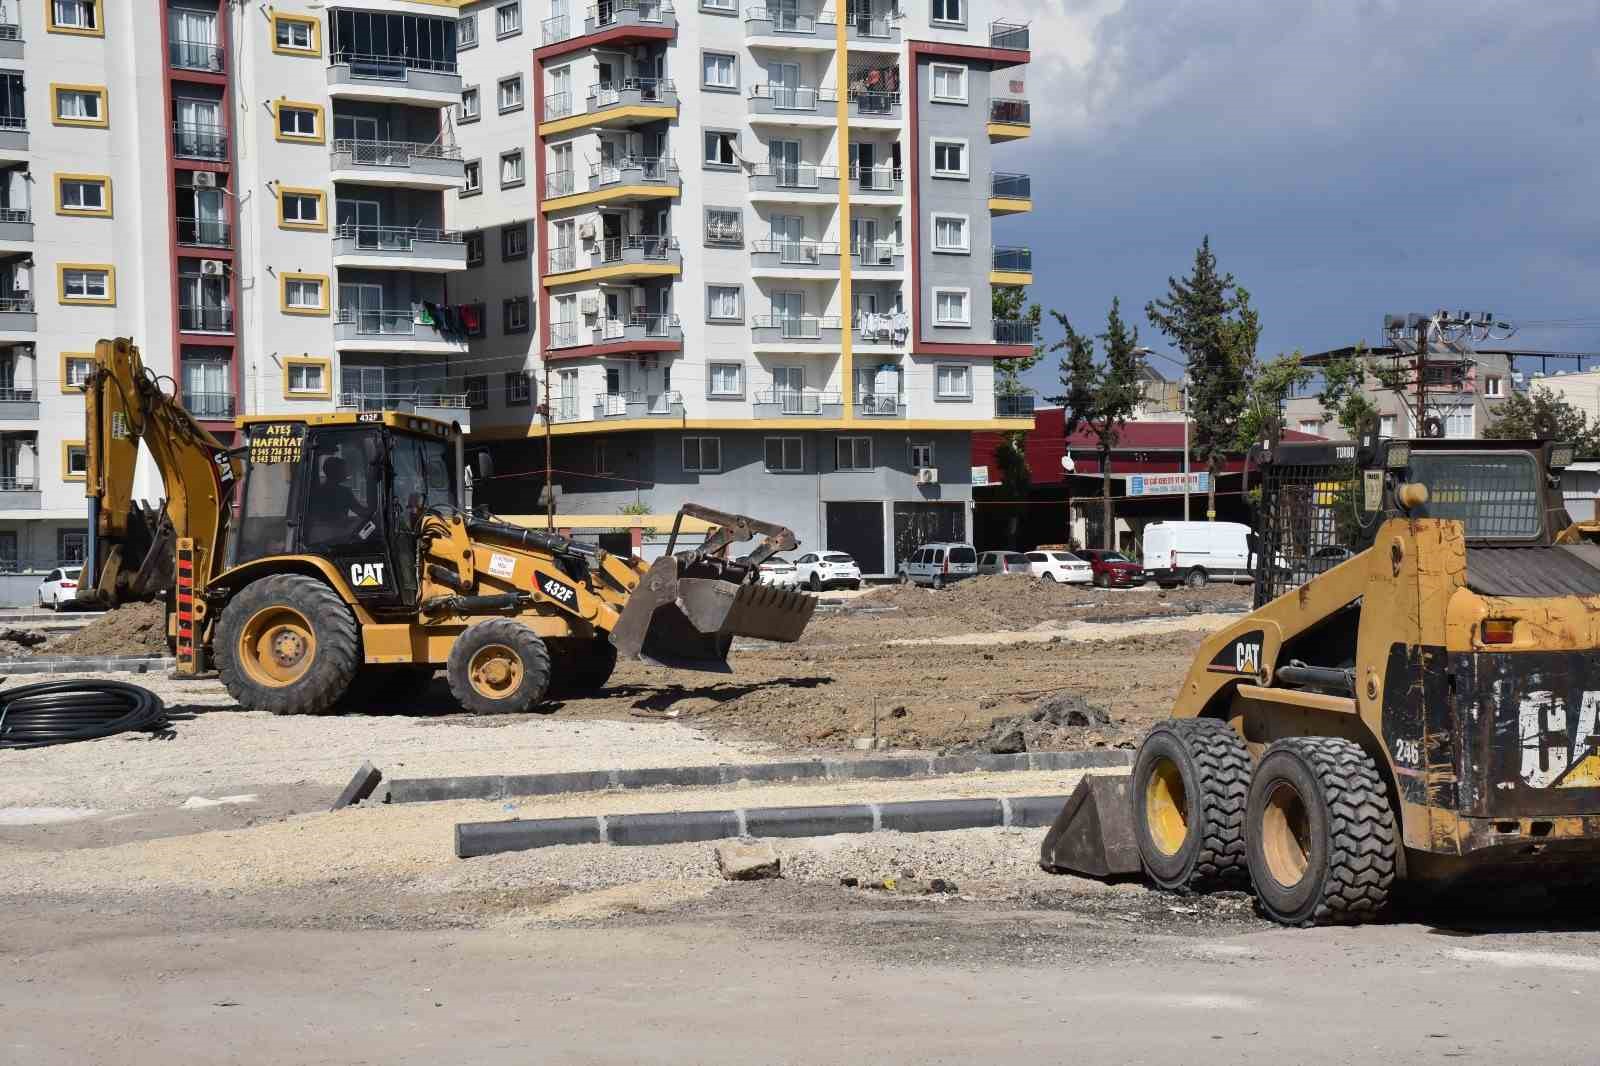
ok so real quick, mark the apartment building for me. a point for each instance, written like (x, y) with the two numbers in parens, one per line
(763, 244)
(1463, 395)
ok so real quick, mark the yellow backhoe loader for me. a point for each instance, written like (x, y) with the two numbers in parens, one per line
(329, 556)
(1413, 701)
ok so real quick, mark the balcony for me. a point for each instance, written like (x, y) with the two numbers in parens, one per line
(14, 137)
(659, 332)
(874, 257)
(880, 405)
(211, 406)
(564, 335)
(205, 319)
(668, 404)
(614, 13)
(204, 233)
(444, 406)
(889, 330)
(20, 493)
(613, 104)
(810, 330)
(794, 183)
(398, 248)
(1010, 194)
(1009, 119)
(197, 140)
(867, 105)
(636, 178)
(872, 31)
(800, 105)
(1014, 405)
(19, 405)
(394, 79)
(790, 27)
(797, 403)
(401, 164)
(1011, 266)
(1008, 35)
(202, 56)
(885, 181)
(633, 255)
(1019, 331)
(16, 227)
(17, 315)
(389, 330)
(10, 40)
(798, 258)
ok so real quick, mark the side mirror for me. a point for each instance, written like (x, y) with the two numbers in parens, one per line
(482, 466)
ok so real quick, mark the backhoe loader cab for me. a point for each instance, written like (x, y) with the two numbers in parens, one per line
(1418, 707)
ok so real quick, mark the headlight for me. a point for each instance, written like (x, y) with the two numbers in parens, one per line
(1562, 455)
(1399, 455)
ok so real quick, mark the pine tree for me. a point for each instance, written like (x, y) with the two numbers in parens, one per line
(1100, 395)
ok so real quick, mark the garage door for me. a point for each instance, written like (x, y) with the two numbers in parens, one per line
(857, 530)
(916, 524)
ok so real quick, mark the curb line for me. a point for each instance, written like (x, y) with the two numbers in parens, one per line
(635, 830)
(505, 786)
(88, 666)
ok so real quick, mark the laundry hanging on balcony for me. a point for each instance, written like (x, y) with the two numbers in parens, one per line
(422, 314)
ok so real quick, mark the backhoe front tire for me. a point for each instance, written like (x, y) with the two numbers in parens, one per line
(287, 644)
(1191, 780)
(1323, 847)
(498, 667)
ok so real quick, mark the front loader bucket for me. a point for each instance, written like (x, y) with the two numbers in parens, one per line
(690, 622)
(1093, 836)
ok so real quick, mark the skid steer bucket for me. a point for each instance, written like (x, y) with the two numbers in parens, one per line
(1094, 835)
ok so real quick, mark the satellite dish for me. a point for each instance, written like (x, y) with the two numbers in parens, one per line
(1433, 426)
(1067, 464)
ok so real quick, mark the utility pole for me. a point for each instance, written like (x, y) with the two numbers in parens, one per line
(1184, 385)
(549, 465)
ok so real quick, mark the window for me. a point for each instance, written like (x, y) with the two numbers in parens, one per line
(467, 32)
(949, 159)
(306, 377)
(301, 208)
(510, 93)
(720, 7)
(852, 453)
(724, 225)
(720, 70)
(471, 178)
(299, 122)
(950, 307)
(475, 325)
(518, 391)
(83, 194)
(304, 294)
(508, 19)
(602, 458)
(948, 11)
(721, 148)
(477, 389)
(514, 241)
(950, 233)
(75, 371)
(511, 169)
(74, 16)
(726, 380)
(955, 382)
(1386, 426)
(1311, 425)
(475, 249)
(514, 314)
(295, 36)
(470, 104)
(78, 105)
(74, 460)
(1458, 422)
(948, 84)
(86, 284)
(702, 455)
(1494, 386)
(722, 303)
(785, 455)
(922, 456)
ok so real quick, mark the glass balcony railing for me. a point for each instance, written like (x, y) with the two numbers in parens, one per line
(386, 67)
(1011, 186)
(1014, 260)
(194, 55)
(16, 305)
(205, 319)
(198, 140)
(365, 153)
(1011, 112)
(394, 238)
(1015, 331)
(797, 252)
(204, 233)
(1012, 35)
(796, 327)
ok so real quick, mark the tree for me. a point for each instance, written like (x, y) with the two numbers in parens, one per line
(1270, 384)
(1541, 414)
(1100, 395)
(1207, 316)
(1344, 388)
(1009, 304)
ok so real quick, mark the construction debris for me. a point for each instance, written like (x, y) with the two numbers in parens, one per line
(135, 629)
(1040, 728)
(748, 860)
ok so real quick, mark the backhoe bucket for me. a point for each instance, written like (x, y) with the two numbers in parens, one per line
(689, 622)
(1093, 836)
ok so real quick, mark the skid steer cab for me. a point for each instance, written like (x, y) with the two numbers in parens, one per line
(1413, 700)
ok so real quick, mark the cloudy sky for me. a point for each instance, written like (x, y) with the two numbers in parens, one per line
(1347, 157)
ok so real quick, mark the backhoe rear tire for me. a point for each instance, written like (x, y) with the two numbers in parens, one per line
(1190, 783)
(287, 644)
(1323, 847)
(498, 667)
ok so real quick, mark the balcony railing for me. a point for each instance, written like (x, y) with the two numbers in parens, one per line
(655, 168)
(871, 102)
(379, 322)
(796, 253)
(208, 404)
(613, 12)
(798, 401)
(796, 327)
(621, 405)
(205, 319)
(722, 233)
(364, 153)
(1011, 112)
(16, 395)
(879, 405)
(647, 246)
(373, 66)
(394, 238)
(1015, 331)
(564, 334)
(1014, 405)
(557, 105)
(1014, 260)
(612, 93)
(198, 140)
(16, 305)
(877, 179)
(640, 323)
(805, 176)
(1011, 186)
(11, 483)
(791, 97)
(15, 215)
(401, 401)
(555, 29)
(866, 26)
(13, 122)
(204, 233)
(563, 257)
(194, 55)
(790, 20)
(877, 253)
(1013, 35)
(10, 31)
(559, 183)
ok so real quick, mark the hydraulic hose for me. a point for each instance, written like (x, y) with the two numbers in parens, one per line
(61, 712)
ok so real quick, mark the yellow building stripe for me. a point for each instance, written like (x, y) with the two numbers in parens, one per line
(614, 192)
(1008, 131)
(1008, 205)
(1010, 277)
(610, 116)
(754, 425)
(621, 270)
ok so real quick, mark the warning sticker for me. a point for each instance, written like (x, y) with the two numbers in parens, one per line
(501, 565)
(277, 442)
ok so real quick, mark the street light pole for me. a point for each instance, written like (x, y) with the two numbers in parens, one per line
(1184, 385)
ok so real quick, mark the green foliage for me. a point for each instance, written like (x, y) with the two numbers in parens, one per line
(1010, 455)
(1270, 384)
(1540, 414)
(1100, 395)
(634, 508)
(1009, 303)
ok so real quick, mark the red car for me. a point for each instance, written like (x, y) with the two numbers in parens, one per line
(1112, 569)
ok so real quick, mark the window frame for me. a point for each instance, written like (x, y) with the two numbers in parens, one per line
(602, 457)
(108, 269)
(462, 115)
(514, 377)
(966, 296)
(499, 94)
(933, 83)
(522, 168)
(476, 387)
(959, 20)
(319, 121)
(501, 34)
(923, 446)
(737, 318)
(102, 180)
(965, 248)
(306, 311)
(941, 396)
(783, 443)
(314, 35)
(724, 242)
(720, 7)
(733, 85)
(853, 441)
(509, 304)
(469, 40)
(934, 170)
(321, 198)
(733, 142)
(98, 92)
(67, 359)
(1494, 387)
(97, 30)
(324, 368)
(474, 240)
(505, 231)
(701, 467)
(712, 393)
(469, 167)
(67, 448)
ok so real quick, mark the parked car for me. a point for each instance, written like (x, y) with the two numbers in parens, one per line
(1194, 553)
(1330, 556)
(779, 572)
(1112, 569)
(1059, 566)
(59, 586)
(936, 565)
(1003, 563)
(827, 570)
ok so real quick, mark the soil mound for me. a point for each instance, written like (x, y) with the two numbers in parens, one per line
(136, 629)
(992, 601)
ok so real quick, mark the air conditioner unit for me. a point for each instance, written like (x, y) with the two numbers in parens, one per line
(586, 231)
(927, 475)
(589, 305)
(205, 179)
(213, 268)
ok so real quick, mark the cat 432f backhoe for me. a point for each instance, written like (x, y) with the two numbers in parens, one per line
(1423, 711)
(329, 558)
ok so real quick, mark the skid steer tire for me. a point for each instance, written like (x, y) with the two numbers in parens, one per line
(1190, 784)
(287, 644)
(1321, 836)
(499, 667)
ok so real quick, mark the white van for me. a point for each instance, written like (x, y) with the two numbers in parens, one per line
(1193, 553)
(938, 565)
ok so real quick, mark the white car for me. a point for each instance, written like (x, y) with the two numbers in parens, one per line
(780, 572)
(59, 586)
(1060, 566)
(827, 570)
